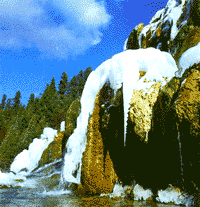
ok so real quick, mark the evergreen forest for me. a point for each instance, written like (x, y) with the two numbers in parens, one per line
(20, 124)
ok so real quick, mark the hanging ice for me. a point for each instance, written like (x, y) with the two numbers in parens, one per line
(121, 68)
(62, 126)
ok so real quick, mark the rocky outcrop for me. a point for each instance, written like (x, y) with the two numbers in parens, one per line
(53, 151)
(171, 118)
(160, 119)
(173, 29)
(97, 172)
(132, 42)
(162, 140)
(186, 106)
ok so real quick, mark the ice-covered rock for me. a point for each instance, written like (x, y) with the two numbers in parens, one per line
(173, 29)
(122, 68)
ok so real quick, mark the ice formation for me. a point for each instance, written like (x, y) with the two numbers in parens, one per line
(62, 126)
(188, 58)
(121, 68)
(8, 179)
(29, 158)
(174, 195)
(125, 44)
(140, 193)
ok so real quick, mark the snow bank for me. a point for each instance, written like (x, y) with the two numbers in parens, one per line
(29, 158)
(173, 195)
(121, 68)
(9, 179)
(189, 58)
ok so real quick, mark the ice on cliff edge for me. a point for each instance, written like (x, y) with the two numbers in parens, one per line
(121, 68)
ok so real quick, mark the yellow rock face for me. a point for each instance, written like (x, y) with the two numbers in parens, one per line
(97, 176)
(187, 103)
(140, 27)
(141, 109)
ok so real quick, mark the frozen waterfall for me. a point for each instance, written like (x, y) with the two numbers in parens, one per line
(121, 68)
(29, 158)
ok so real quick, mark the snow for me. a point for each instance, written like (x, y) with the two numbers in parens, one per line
(62, 126)
(125, 44)
(140, 193)
(29, 158)
(121, 68)
(170, 194)
(118, 191)
(189, 58)
(173, 195)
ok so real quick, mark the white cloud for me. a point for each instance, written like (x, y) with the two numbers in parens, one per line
(56, 28)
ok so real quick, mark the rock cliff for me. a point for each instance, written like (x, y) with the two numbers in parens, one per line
(163, 123)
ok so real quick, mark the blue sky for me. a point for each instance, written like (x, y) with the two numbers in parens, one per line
(40, 39)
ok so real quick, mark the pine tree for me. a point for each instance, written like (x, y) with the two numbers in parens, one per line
(62, 86)
(31, 99)
(50, 105)
(8, 109)
(16, 101)
(80, 83)
(3, 102)
(86, 73)
(53, 86)
(72, 93)
(9, 104)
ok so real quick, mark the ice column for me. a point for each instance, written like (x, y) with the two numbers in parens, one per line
(124, 69)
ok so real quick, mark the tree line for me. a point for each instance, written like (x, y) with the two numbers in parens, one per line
(20, 124)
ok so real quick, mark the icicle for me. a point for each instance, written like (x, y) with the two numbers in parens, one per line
(179, 140)
(125, 69)
(130, 77)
